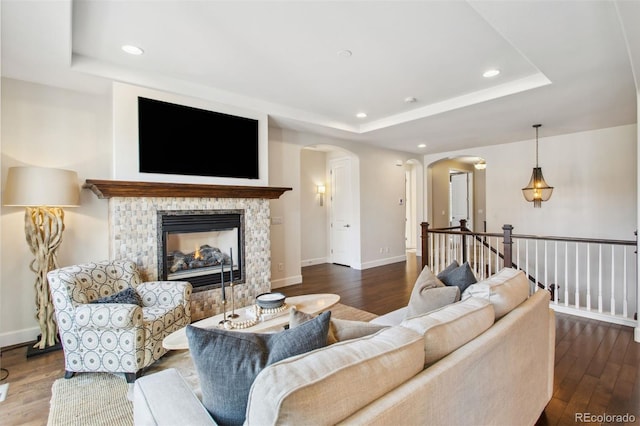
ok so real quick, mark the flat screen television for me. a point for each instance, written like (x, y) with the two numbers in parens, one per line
(182, 140)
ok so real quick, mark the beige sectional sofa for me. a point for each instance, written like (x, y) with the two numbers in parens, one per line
(486, 360)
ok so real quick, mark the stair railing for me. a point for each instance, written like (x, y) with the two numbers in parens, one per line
(594, 278)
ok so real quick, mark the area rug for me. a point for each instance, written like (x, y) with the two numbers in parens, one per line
(103, 398)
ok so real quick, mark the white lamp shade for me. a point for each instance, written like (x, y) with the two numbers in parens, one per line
(41, 186)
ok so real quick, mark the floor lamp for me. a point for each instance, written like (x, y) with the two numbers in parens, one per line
(43, 191)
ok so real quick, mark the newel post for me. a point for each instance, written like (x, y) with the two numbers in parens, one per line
(508, 245)
(424, 226)
(463, 238)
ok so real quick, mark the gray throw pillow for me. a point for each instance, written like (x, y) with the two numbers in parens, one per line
(228, 362)
(453, 265)
(461, 277)
(126, 296)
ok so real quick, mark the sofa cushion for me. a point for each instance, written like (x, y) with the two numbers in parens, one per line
(505, 290)
(450, 327)
(392, 318)
(339, 329)
(327, 385)
(227, 362)
(461, 277)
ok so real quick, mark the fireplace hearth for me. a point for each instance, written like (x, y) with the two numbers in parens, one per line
(202, 247)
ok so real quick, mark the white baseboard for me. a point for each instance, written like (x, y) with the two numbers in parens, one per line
(594, 315)
(284, 282)
(382, 262)
(18, 337)
(316, 261)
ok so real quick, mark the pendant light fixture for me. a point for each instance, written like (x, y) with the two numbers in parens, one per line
(537, 190)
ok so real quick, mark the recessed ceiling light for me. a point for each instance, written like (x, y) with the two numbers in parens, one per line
(491, 73)
(410, 100)
(422, 145)
(345, 53)
(361, 115)
(132, 50)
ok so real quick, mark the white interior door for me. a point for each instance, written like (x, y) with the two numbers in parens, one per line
(460, 201)
(341, 211)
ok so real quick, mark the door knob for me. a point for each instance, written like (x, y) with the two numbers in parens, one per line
(347, 226)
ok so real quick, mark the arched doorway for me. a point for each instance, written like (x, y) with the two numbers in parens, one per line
(454, 185)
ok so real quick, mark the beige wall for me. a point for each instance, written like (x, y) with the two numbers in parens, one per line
(284, 166)
(50, 127)
(480, 200)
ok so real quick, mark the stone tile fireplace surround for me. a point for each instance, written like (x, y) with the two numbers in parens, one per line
(133, 208)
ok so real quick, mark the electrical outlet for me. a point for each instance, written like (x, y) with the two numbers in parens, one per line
(280, 267)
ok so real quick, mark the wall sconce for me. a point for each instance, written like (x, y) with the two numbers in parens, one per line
(320, 190)
(43, 192)
(480, 165)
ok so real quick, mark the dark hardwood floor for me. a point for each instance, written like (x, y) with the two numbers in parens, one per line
(596, 363)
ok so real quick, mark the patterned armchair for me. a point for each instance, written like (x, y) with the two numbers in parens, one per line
(115, 337)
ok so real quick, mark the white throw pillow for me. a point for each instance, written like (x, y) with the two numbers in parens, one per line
(430, 293)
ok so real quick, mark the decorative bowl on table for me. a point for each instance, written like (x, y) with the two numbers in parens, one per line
(270, 300)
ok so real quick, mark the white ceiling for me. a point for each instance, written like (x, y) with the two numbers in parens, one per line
(565, 64)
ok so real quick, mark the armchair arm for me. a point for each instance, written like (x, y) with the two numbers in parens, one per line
(108, 316)
(165, 292)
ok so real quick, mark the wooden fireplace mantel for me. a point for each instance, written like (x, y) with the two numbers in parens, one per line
(119, 188)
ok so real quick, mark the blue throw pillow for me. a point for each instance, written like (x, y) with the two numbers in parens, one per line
(461, 277)
(127, 296)
(228, 362)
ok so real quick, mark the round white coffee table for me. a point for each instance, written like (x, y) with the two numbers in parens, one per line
(308, 303)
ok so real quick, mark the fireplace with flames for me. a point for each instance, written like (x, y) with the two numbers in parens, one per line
(201, 247)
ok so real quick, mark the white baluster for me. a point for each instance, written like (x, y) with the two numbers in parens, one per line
(555, 272)
(535, 268)
(577, 295)
(613, 281)
(588, 277)
(624, 288)
(546, 267)
(566, 273)
(600, 278)
(498, 254)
